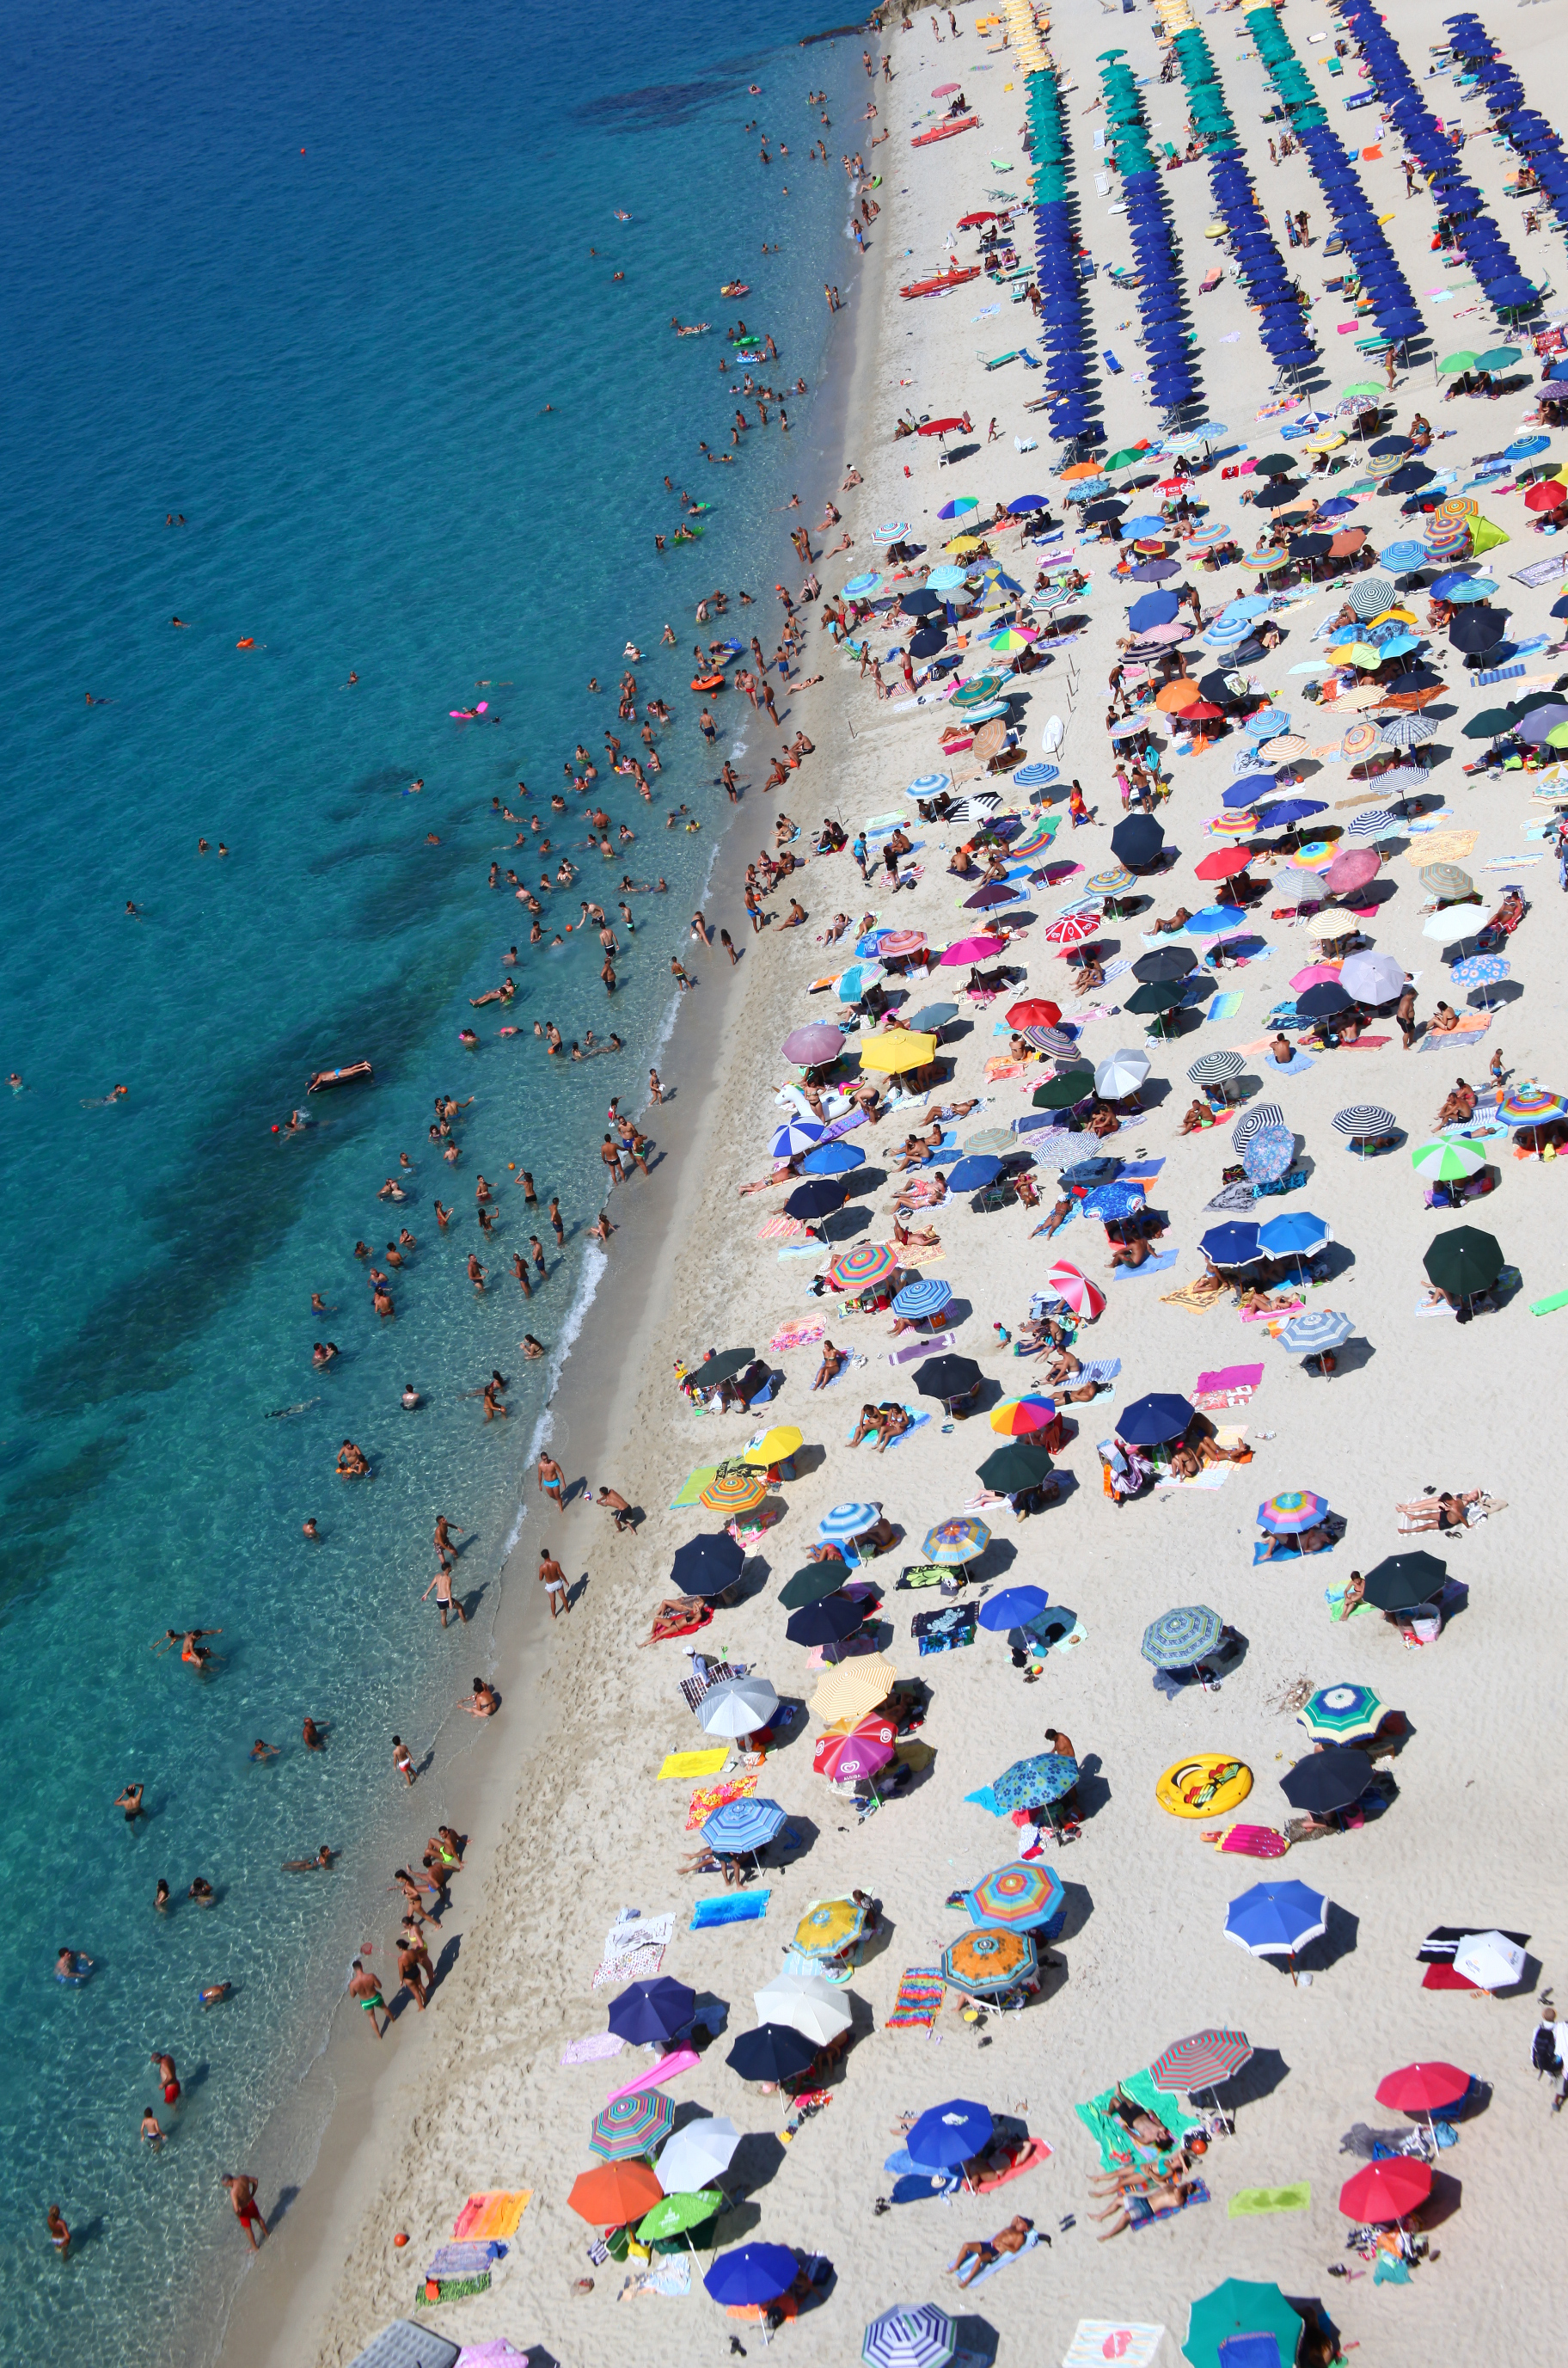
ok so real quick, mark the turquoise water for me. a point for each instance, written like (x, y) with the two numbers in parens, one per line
(310, 279)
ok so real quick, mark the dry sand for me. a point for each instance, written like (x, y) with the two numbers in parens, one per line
(581, 1828)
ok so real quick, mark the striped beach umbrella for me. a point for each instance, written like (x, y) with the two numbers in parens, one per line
(1072, 929)
(866, 1263)
(918, 1300)
(960, 1541)
(1370, 596)
(896, 943)
(1409, 731)
(747, 1825)
(1053, 1041)
(1016, 1417)
(1379, 823)
(1309, 1334)
(913, 2336)
(631, 2125)
(1177, 1639)
(841, 1522)
(799, 1135)
(990, 1958)
(1115, 880)
(1019, 1894)
(1201, 2061)
(1359, 740)
(1066, 1284)
(1292, 1509)
(992, 1142)
(1215, 1067)
(733, 1493)
(854, 1689)
(1035, 776)
(862, 587)
(1448, 1158)
(1528, 1105)
(891, 530)
(929, 785)
(1340, 1712)
(1253, 1121)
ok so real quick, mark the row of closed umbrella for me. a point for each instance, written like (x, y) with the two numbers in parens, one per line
(1161, 304)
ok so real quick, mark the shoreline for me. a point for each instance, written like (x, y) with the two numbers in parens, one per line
(280, 2312)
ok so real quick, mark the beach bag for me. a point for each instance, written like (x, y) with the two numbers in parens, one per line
(1543, 2048)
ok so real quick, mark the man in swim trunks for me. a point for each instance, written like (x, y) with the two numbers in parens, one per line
(168, 2075)
(553, 1579)
(130, 1801)
(982, 2253)
(552, 1479)
(368, 1990)
(241, 2195)
(59, 2234)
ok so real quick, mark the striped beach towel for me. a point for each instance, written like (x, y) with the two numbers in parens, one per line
(919, 2000)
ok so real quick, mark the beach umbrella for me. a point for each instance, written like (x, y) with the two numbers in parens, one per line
(1490, 1959)
(1530, 1106)
(1028, 1783)
(1448, 1160)
(855, 1688)
(832, 1160)
(950, 2134)
(1324, 1002)
(1335, 1711)
(1254, 1122)
(918, 1301)
(946, 1377)
(1164, 966)
(1382, 823)
(1034, 1011)
(775, 1446)
(1295, 1234)
(1022, 1895)
(707, 1565)
(811, 1046)
(695, 2153)
(1402, 1581)
(918, 2336)
(1480, 969)
(679, 2212)
(974, 1175)
(1150, 1421)
(818, 1198)
(650, 2011)
(1077, 1293)
(1269, 1154)
(1205, 2060)
(1424, 2088)
(866, 1264)
(1291, 1510)
(802, 2002)
(1372, 978)
(733, 1493)
(956, 1542)
(1215, 1067)
(1016, 1419)
(1230, 1245)
(828, 1623)
(737, 1706)
(996, 892)
(1347, 872)
(1137, 841)
(1386, 2189)
(1061, 1092)
(1330, 1780)
(747, 1825)
(969, 950)
(988, 1959)
(1238, 2308)
(615, 2193)
(1464, 1261)
(932, 1018)
(841, 1522)
(1120, 1075)
(1310, 1334)
(1023, 1464)
(900, 1049)
(799, 1135)
(859, 1753)
(1157, 999)
(1177, 1640)
(1225, 863)
(993, 1142)
(829, 1927)
(1107, 1202)
(631, 2125)
(1274, 1919)
(752, 2273)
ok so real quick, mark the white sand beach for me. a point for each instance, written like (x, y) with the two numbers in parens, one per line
(573, 1827)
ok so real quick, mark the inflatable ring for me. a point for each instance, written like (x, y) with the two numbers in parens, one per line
(1203, 1788)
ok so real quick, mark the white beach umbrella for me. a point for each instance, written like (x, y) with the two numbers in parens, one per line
(1454, 922)
(696, 2154)
(737, 1706)
(1121, 1074)
(1490, 1959)
(807, 2003)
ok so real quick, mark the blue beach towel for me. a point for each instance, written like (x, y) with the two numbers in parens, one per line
(1150, 1266)
(730, 1907)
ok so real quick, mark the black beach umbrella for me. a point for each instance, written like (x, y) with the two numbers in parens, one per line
(820, 1198)
(1329, 1780)
(1464, 1261)
(1475, 629)
(1274, 495)
(946, 1377)
(827, 1623)
(772, 2052)
(812, 1584)
(1158, 997)
(708, 1565)
(1322, 1002)
(1137, 841)
(722, 1368)
(1020, 1464)
(1069, 1085)
(1402, 1581)
(1165, 963)
(1276, 464)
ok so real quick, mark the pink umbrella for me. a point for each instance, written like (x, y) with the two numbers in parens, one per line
(974, 950)
(1352, 870)
(1084, 1297)
(815, 1042)
(896, 943)
(1315, 975)
(1171, 632)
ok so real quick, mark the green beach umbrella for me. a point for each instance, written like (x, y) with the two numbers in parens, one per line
(1363, 386)
(1240, 2307)
(1452, 364)
(679, 2212)
(1464, 1261)
(812, 1585)
(1125, 459)
(1020, 1464)
(1448, 1160)
(1498, 358)
(1061, 1092)
(1335, 1711)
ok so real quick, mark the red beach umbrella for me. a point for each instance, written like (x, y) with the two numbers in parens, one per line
(939, 426)
(1225, 863)
(1386, 2189)
(1550, 494)
(869, 1745)
(1423, 2088)
(1033, 1012)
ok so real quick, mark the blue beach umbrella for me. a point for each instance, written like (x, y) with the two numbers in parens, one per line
(650, 2011)
(920, 1300)
(841, 1522)
(1230, 1245)
(1047, 1777)
(948, 2135)
(1315, 1330)
(971, 1174)
(1274, 1919)
(1013, 1607)
(751, 2273)
(1178, 1639)
(1150, 1421)
(1249, 789)
(742, 1826)
(799, 1135)
(1295, 1235)
(910, 2336)
(832, 1160)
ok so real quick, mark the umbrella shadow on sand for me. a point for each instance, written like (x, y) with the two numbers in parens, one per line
(1339, 1938)
(1077, 1906)
(977, 2339)
(1265, 2071)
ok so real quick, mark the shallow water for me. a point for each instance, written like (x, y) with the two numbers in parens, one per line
(309, 280)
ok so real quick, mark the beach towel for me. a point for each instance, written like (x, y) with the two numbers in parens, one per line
(780, 1229)
(1550, 1304)
(1212, 1476)
(692, 1689)
(1143, 2213)
(1371, 1043)
(917, 1424)
(1003, 2260)
(1296, 1066)
(1272, 1321)
(1472, 1025)
(691, 1764)
(1225, 1006)
(1140, 1171)
(494, 2214)
(692, 1487)
(1131, 2342)
(1228, 1385)
(708, 1797)
(922, 1347)
(634, 1948)
(1156, 1264)
(728, 1907)
(1098, 1369)
(800, 1335)
(599, 2046)
(1248, 2202)
(946, 1630)
(663, 2067)
(1118, 2148)
(918, 2001)
(669, 2275)
(1193, 1296)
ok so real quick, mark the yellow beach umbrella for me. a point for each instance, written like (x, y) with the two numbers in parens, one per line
(964, 543)
(855, 1687)
(775, 1446)
(828, 1926)
(897, 1049)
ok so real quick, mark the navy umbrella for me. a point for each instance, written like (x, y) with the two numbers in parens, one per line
(1151, 1421)
(817, 1199)
(707, 1565)
(1137, 841)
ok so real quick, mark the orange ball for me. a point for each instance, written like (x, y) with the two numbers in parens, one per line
(401, 2239)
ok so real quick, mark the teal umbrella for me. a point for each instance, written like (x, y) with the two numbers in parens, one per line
(1240, 2307)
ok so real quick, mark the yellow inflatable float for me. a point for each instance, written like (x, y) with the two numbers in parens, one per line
(1203, 1788)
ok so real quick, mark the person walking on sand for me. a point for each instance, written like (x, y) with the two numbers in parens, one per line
(241, 2195)
(553, 1579)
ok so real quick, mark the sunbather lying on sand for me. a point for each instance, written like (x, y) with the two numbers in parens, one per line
(677, 1616)
(980, 2252)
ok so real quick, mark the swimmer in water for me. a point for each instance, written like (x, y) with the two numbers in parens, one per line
(262, 1750)
(192, 1649)
(130, 1801)
(322, 1858)
(411, 1397)
(313, 1736)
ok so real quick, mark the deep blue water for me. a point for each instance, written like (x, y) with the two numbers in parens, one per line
(308, 275)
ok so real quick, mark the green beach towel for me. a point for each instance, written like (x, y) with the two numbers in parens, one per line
(1117, 2147)
(1252, 2200)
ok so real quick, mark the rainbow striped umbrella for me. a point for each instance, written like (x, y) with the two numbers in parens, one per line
(1017, 1894)
(1292, 1509)
(1530, 1106)
(1201, 2061)
(956, 1542)
(732, 1492)
(1115, 880)
(867, 1263)
(631, 2125)
(1015, 1418)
